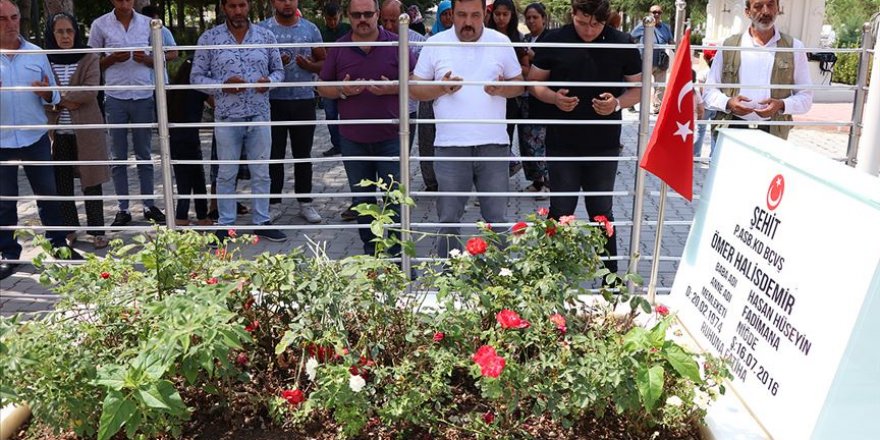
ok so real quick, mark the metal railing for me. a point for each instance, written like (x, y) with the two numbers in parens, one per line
(406, 224)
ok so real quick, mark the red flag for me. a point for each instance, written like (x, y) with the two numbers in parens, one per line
(669, 154)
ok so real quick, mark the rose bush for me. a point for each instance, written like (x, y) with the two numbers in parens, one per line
(496, 340)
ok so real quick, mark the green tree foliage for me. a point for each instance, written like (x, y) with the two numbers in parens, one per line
(847, 18)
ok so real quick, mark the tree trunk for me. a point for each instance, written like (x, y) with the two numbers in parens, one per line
(24, 10)
(55, 6)
(181, 17)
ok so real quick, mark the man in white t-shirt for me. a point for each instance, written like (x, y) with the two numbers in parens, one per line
(470, 62)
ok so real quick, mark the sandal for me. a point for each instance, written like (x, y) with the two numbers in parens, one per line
(101, 241)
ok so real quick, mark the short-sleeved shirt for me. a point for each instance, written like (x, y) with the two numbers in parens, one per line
(372, 65)
(471, 63)
(586, 64)
(303, 31)
(215, 66)
(108, 32)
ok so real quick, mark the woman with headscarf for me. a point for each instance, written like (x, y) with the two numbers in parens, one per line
(444, 17)
(77, 107)
(416, 22)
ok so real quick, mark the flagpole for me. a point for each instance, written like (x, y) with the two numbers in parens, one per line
(680, 6)
(644, 121)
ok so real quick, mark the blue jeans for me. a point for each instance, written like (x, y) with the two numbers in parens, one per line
(701, 134)
(331, 113)
(42, 180)
(257, 142)
(134, 111)
(372, 170)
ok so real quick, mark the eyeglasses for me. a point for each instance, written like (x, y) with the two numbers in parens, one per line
(657, 12)
(360, 15)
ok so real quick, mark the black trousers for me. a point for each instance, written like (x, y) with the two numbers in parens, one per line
(190, 179)
(573, 176)
(64, 148)
(301, 139)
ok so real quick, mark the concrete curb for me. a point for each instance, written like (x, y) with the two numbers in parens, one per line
(11, 418)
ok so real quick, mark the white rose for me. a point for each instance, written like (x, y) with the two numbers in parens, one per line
(505, 272)
(312, 368)
(454, 253)
(356, 383)
(674, 401)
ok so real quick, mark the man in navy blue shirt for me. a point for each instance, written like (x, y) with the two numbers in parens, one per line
(662, 35)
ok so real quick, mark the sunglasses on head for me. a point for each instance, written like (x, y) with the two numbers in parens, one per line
(359, 15)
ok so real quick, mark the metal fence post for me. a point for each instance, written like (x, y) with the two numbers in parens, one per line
(680, 6)
(162, 119)
(644, 120)
(868, 159)
(403, 80)
(852, 147)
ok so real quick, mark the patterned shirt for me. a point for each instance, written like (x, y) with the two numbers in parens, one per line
(63, 72)
(23, 108)
(215, 66)
(303, 31)
(108, 32)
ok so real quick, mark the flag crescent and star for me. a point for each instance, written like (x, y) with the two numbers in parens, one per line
(669, 154)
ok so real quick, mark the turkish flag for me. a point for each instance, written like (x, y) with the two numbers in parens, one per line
(669, 154)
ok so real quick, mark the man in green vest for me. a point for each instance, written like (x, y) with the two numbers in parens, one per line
(763, 69)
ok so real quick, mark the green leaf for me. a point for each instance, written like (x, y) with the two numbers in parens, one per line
(171, 397)
(132, 425)
(658, 333)
(151, 400)
(683, 363)
(285, 342)
(636, 339)
(650, 384)
(116, 411)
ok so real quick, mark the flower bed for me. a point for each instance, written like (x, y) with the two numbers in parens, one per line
(170, 337)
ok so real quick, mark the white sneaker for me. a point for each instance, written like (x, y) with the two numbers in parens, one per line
(308, 212)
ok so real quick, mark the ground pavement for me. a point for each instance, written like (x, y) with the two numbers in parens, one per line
(22, 293)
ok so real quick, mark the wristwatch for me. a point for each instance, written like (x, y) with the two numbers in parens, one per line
(617, 106)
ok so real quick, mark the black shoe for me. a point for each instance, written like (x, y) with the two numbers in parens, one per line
(214, 215)
(7, 269)
(349, 214)
(154, 214)
(241, 209)
(270, 234)
(222, 235)
(335, 151)
(122, 218)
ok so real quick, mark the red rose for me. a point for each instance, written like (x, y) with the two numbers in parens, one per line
(255, 240)
(293, 397)
(232, 233)
(242, 359)
(105, 275)
(212, 280)
(252, 326)
(662, 310)
(566, 219)
(551, 231)
(476, 246)
(543, 212)
(439, 336)
(366, 362)
(603, 221)
(489, 417)
(353, 370)
(520, 228)
(559, 320)
(510, 319)
(491, 365)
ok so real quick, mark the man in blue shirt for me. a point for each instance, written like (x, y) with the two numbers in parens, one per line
(662, 35)
(240, 105)
(24, 108)
(294, 103)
